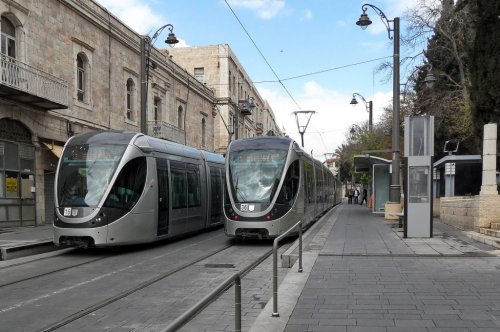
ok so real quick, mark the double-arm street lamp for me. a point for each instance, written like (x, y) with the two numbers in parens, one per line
(363, 22)
(146, 45)
(369, 108)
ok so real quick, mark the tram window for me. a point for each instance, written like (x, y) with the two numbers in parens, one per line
(193, 186)
(129, 185)
(216, 194)
(178, 188)
(290, 184)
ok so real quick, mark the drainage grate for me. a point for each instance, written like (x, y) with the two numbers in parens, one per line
(225, 266)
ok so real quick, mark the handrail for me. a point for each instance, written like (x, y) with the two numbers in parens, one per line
(193, 311)
(186, 317)
(275, 263)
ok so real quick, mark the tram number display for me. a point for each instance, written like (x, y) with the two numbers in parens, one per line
(258, 157)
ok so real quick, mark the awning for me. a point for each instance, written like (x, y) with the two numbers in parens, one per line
(54, 148)
(364, 163)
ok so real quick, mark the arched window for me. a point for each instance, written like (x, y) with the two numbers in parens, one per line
(203, 132)
(81, 79)
(180, 117)
(8, 39)
(130, 99)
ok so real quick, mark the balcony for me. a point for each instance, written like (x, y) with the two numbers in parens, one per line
(167, 131)
(25, 84)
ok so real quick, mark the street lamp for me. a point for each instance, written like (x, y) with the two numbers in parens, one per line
(429, 78)
(146, 45)
(363, 22)
(369, 108)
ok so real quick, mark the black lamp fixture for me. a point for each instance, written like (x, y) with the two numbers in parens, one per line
(146, 45)
(363, 22)
(368, 105)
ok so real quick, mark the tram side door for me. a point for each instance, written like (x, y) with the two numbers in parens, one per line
(163, 199)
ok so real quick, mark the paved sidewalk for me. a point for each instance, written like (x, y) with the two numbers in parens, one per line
(360, 274)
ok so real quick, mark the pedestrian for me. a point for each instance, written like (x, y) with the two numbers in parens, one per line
(356, 195)
(364, 198)
(349, 196)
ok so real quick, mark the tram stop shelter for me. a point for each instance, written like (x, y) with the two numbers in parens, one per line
(380, 169)
(456, 175)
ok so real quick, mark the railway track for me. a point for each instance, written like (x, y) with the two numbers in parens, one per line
(154, 271)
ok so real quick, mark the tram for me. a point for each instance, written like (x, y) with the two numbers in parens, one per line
(120, 187)
(271, 185)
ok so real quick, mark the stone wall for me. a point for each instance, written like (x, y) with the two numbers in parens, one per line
(470, 213)
(458, 211)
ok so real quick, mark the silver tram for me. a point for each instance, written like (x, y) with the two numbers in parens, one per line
(120, 187)
(271, 185)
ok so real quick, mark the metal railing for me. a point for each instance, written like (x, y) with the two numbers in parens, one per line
(23, 77)
(186, 317)
(275, 263)
(165, 130)
(236, 278)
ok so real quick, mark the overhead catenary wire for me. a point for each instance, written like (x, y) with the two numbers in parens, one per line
(263, 57)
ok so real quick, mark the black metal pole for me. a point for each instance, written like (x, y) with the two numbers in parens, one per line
(395, 192)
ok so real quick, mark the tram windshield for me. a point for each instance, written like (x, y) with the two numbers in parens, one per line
(255, 174)
(85, 172)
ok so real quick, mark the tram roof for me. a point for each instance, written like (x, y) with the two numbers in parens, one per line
(261, 142)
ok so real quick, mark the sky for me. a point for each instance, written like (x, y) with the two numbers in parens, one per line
(314, 47)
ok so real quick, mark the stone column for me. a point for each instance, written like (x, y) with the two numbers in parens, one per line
(489, 183)
(487, 204)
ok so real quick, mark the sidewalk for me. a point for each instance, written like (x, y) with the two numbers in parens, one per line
(360, 274)
(23, 241)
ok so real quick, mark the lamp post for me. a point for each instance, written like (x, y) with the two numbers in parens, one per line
(146, 45)
(363, 22)
(369, 108)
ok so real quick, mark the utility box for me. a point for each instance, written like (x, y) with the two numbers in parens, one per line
(419, 152)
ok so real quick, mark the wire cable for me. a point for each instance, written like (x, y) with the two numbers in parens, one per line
(262, 55)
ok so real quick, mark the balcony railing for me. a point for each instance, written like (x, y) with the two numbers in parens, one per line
(164, 130)
(32, 85)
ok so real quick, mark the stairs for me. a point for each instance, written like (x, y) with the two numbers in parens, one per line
(494, 230)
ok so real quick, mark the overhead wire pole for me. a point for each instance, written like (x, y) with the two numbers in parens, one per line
(302, 129)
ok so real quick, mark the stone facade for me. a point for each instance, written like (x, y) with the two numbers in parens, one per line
(217, 67)
(95, 61)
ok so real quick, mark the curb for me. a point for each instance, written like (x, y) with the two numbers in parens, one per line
(26, 249)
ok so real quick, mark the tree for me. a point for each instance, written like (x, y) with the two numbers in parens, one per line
(447, 58)
(485, 63)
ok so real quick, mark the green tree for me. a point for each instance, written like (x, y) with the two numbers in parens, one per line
(485, 63)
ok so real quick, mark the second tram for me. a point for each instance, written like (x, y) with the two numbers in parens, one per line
(271, 185)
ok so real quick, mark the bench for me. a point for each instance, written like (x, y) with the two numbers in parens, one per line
(400, 216)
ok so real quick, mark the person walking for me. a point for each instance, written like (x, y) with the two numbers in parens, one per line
(356, 195)
(364, 197)
(349, 196)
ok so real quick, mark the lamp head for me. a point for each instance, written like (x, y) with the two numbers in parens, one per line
(429, 80)
(171, 39)
(364, 21)
(353, 101)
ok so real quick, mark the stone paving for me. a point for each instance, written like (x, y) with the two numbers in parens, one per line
(367, 277)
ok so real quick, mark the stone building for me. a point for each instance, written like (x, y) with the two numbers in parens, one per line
(70, 66)
(243, 112)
